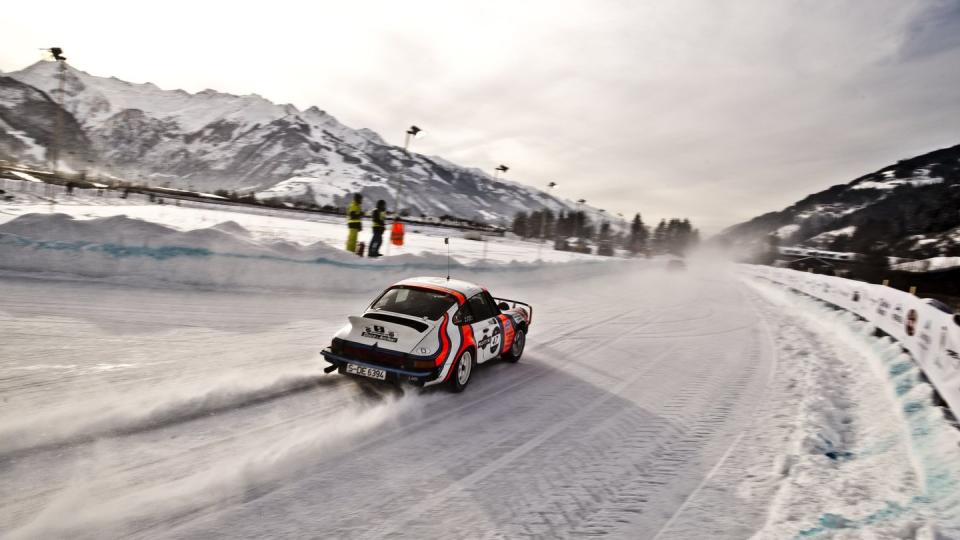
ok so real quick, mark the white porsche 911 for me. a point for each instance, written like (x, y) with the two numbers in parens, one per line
(429, 331)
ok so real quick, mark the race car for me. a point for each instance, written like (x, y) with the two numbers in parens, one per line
(428, 331)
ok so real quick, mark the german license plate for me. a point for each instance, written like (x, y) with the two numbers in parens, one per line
(373, 373)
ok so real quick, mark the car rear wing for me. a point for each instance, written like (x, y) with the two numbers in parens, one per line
(515, 303)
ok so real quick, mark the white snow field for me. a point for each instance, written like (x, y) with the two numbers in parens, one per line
(265, 224)
(142, 401)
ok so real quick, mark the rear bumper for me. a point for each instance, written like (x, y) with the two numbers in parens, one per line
(393, 374)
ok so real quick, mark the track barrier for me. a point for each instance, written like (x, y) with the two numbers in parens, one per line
(929, 334)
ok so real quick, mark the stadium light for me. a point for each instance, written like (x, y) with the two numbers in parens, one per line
(413, 132)
(57, 54)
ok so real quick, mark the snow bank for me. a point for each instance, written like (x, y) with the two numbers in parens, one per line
(931, 336)
(827, 483)
(133, 251)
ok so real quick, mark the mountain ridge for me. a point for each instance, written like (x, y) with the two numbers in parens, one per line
(910, 209)
(211, 140)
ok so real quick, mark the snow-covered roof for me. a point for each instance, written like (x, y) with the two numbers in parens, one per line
(463, 287)
(25, 176)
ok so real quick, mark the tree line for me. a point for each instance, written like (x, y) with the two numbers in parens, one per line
(674, 235)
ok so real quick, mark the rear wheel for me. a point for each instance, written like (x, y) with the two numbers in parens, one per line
(462, 371)
(516, 350)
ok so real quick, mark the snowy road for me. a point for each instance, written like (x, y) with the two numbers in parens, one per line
(646, 406)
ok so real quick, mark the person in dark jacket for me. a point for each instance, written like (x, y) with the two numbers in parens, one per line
(379, 225)
(354, 222)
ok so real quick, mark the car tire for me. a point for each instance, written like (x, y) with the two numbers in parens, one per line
(516, 349)
(462, 371)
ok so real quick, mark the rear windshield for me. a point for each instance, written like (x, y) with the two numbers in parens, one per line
(415, 302)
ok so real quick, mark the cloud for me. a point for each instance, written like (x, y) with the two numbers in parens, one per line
(716, 111)
(935, 30)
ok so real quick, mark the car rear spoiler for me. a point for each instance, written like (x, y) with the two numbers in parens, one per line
(515, 303)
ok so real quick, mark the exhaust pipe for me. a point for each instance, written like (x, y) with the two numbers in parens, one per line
(331, 368)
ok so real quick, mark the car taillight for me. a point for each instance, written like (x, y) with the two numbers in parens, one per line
(423, 364)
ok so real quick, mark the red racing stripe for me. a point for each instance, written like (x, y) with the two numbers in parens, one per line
(444, 342)
(466, 341)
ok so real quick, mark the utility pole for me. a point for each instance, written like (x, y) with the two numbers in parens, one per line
(543, 221)
(412, 133)
(580, 217)
(415, 133)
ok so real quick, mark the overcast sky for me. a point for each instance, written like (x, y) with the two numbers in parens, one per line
(716, 110)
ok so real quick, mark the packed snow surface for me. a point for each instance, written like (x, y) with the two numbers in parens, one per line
(161, 379)
(648, 405)
(267, 225)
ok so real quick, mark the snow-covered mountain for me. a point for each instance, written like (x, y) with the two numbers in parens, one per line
(211, 140)
(911, 208)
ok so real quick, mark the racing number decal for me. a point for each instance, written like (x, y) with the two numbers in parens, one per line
(495, 341)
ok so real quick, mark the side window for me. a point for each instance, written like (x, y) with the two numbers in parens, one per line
(494, 309)
(463, 315)
(479, 307)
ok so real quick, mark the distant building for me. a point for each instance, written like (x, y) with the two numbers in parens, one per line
(809, 264)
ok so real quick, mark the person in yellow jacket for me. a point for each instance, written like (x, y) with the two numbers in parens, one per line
(354, 223)
(379, 218)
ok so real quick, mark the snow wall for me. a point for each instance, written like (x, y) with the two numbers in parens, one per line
(142, 253)
(931, 336)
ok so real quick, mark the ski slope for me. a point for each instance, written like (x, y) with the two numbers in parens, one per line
(648, 405)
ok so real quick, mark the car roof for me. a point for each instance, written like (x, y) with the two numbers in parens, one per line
(465, 288)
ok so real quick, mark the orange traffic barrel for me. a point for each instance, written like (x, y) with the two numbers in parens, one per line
(396, 234)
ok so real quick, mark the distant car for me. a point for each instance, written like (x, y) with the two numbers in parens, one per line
(428, 331)
(676, 265)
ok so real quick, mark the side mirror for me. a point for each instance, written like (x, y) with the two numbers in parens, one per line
(503, 306)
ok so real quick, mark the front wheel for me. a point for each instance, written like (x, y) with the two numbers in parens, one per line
(516, 350)
(461, 372)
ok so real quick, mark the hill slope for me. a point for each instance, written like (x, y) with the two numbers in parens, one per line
(211, 140)
(911, 207)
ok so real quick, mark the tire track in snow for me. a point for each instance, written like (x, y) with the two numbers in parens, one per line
(399, 522)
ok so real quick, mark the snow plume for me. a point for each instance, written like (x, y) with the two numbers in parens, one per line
(124, 414)
(828, 483)
(92, 509)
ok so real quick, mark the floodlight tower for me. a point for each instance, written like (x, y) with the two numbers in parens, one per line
(413, 133)
(580, 203)
(57, 54)
(543, 220)
(396, 233)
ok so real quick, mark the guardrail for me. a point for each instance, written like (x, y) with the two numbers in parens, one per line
(930, 335)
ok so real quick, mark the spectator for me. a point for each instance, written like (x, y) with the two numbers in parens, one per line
(354, 222)
(379, 225)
